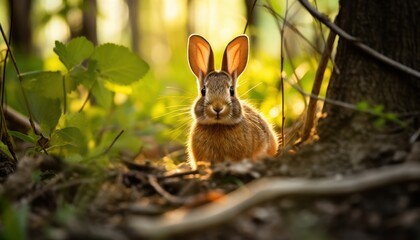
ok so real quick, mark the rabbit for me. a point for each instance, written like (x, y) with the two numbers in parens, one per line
(224, 128)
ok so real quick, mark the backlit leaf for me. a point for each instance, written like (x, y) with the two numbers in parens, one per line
(118, 65)
(46, 111)
(74, 52)
(46, 84)
(69, 140)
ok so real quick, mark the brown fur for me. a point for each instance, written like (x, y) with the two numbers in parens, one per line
(224, 127)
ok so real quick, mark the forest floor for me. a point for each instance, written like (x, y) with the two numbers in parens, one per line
(140, 200)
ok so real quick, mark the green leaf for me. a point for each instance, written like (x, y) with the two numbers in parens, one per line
(118, 64)
(102, 95)
(379, 123)
(391, 117)
(363, 106)
(47, 84)
(22, 136)
(87, 77)
(74, 52)
(5, 150)
(69, 140)
(378, 110)
(46, 112)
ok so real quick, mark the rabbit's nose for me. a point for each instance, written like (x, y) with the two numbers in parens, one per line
(217, 109)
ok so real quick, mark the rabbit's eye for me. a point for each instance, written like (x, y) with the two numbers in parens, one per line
(231, 91)
(203, 91)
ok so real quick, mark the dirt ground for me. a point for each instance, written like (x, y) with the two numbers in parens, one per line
(133, 190)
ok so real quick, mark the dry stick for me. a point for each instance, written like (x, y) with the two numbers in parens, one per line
(171, 198)
(324, 19)
(319, 76)
(263, 190)
(281, 74)
(179, 174)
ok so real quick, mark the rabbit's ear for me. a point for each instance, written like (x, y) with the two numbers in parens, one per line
(200, 56)
(235, 57)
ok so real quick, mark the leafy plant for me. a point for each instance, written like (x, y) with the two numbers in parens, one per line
(89, 72)
(378, 111)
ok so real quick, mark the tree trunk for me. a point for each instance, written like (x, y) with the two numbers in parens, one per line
(133, 15)
(21, 25)
(349, 141)
(89, 29)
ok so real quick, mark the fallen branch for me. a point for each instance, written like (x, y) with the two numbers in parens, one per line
(263, 190)
(20, 120)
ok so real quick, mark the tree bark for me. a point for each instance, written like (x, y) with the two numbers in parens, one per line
(89, 25)
(390, 29)
(349, 141)
(21, 24)
(133, 14)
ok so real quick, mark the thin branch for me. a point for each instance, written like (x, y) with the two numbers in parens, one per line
(25, 98)
(291, 27)
(372, 52)
(3, 83)
(280, 85)
(264, 190)
(319, 76)
(171, 198)
(113, 142)
(281, 73)
(250, 16)
(86, 100)
(327, 100)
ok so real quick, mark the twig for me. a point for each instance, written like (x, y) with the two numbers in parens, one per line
(291, 27)
(171, 198)
(86, 100)
(179, 174)
(107, 149)
(4, 135)
(113, 142)
(343, 104)
(263, 190)
(250, 16)
(319, 76)
(3, 83)
(327, 100)
(281, 73)
(372, 52)
(25, 97)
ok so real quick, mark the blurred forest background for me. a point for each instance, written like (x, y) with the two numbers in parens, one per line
(108, 84)
(156, 109)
